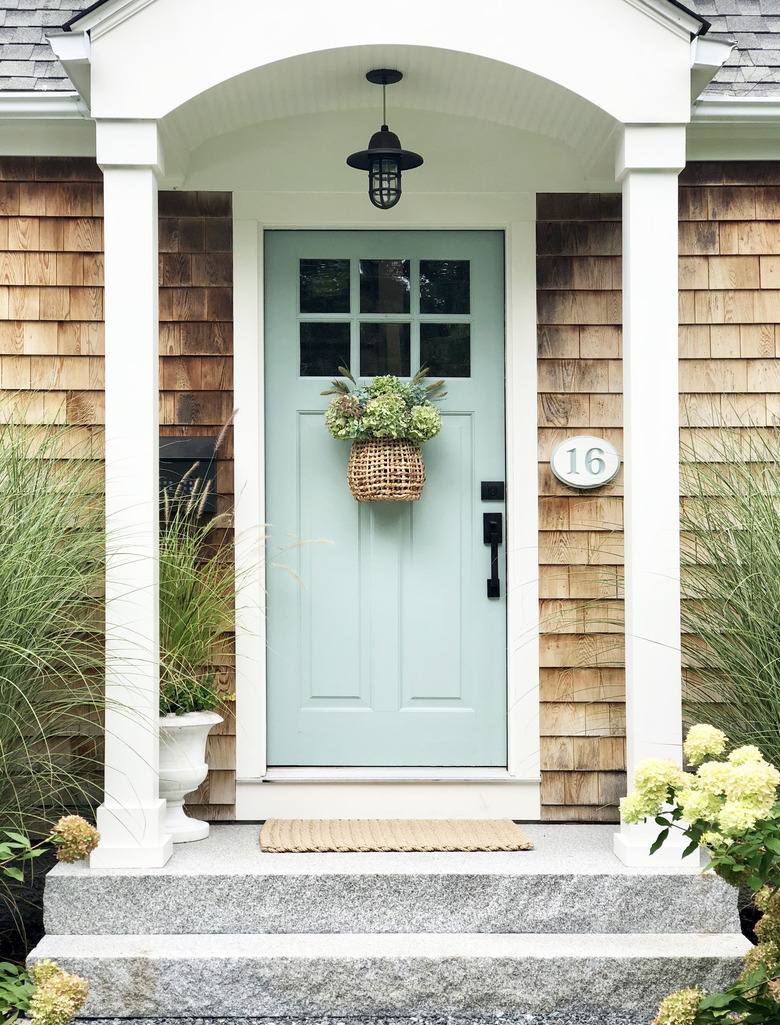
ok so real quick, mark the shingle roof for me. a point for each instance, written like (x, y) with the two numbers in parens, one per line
(27, 61)
(754, 67)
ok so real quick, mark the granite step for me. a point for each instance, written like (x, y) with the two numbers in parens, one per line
(225, 930)
(413, 974)
(570, 883)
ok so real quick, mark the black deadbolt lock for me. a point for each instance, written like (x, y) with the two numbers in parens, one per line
(492, 491)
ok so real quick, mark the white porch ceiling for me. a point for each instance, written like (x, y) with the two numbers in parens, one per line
(438, 81)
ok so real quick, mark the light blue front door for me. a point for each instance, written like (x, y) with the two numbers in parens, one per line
(383, 645)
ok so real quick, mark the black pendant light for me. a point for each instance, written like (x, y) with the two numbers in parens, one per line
(384, 159)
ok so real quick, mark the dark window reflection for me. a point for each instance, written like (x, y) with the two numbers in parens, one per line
(324, 348)
(446, 349)
(444, 286)
(384, 286)
(385, 349)
(324, 286)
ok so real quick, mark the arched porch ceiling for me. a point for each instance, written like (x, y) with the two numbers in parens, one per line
(326, 92)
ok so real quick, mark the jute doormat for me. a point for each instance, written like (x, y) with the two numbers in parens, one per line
(300, 835)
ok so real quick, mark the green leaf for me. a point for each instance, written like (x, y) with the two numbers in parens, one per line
(692, 846)
(716, 1000)
(659, 840)
(23, 840)
(14, 873)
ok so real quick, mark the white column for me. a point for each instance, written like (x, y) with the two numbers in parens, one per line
(131, 819)
(648, 163)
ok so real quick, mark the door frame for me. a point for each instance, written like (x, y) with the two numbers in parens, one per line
(355, 792)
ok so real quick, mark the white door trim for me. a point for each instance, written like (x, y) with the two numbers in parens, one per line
(518, 795)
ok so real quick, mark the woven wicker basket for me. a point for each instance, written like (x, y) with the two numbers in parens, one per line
(385, 470)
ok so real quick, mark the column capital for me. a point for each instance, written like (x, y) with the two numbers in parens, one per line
(650, 148)
(129, 144)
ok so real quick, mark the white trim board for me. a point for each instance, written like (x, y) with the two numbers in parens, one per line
(518, 794)
(378, 799)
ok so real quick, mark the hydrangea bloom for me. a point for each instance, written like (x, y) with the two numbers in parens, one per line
(679, 1008)
(763, 954)
(737, 816)
(384, 408)
(713, 777)
(413, 394)
(384, 385)
(386, 416)
(424, 423)
(703, 740)
(745, 755)
(768, 901)
(753, 781)
(698, 804)
(774, 989)
(654, 776)
(57, 995)
(75, 838)
(342, 417)
(637, 806)
(714, 840)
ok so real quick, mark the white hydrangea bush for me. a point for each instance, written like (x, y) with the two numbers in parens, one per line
(722, 799)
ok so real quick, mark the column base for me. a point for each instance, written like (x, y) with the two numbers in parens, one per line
(132, 837)
(632, 846)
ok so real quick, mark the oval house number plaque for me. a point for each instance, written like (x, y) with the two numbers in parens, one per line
(585, 462)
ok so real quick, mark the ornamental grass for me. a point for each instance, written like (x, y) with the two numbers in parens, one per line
(730, 525)
(51, 624)
(197, 601)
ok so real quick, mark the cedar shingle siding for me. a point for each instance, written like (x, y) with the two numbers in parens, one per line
(582, 683)
(51, 343)
(729, 371)
(52, 339)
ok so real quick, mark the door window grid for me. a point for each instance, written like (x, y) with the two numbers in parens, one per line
(447, 353)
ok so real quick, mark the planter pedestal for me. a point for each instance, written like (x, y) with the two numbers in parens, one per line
(183, 768)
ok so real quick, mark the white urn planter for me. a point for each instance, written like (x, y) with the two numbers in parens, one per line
(183, 768)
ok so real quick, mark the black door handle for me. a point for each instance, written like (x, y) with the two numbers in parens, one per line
(493, 535)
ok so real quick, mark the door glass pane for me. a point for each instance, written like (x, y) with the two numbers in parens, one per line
(384, 286)
(444, 286)
(384, 349)
(324, 348)
(324, 286)
(446, 349)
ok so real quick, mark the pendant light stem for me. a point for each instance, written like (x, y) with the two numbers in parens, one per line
(384, 103)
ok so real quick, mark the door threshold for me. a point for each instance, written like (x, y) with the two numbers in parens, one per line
(388, 774)
(442, 795)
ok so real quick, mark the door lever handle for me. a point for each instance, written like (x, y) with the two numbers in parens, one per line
(493, 535)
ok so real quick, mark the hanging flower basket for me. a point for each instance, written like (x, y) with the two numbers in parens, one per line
(386, 420)
(386, 470)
